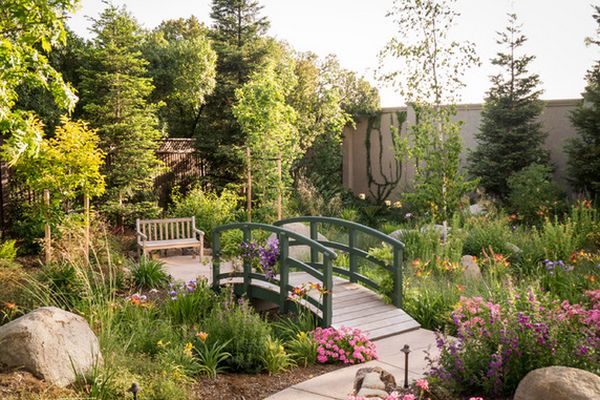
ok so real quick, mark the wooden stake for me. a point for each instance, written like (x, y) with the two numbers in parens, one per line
(249, 184)
(279, 188)
(86, 239)
(47, 232)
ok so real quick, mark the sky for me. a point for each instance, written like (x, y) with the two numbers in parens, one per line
(356, 31)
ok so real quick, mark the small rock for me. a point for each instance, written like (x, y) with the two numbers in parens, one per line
(372, 393)
(513, 248)
(399, 234)
(52, 344)
(477, 209)
(372, 380)
(559, 383)
(388, 379)
(471, 269)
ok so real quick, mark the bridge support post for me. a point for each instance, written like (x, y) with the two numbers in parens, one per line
(353, 261)
(247, 263)
(328, 291)
(397, 271)
(314, 235)
(283, 273)
(216, 260)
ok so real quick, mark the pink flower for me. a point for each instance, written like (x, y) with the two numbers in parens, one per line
(409, 397)
(475, 398)
(422, 384)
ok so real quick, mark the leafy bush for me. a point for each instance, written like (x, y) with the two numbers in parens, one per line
(211, 358)
(8, 251)
(344, 345)
(250, 333)
(149, 274)
(276, 359)
(485, 233)
(303, 348)
(65, 281)
(209, 208)
(497, 344)
(533, 193)
(557, 239)
(190, 303)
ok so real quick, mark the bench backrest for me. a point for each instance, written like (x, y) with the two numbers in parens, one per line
(167, 229)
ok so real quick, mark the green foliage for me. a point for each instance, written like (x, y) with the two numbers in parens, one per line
(65, 282)
(182, 67)
(486, 233)
(532, 193)
(8, 251)
(251, 334)
(268, 123)
(583, 165)
(190, 303)
(275, 359)
(211, 358)
(149, 274)
(510, 137)
(209, 208)
(302, 349)
(30, 30)
(115, 91)
(558, 239)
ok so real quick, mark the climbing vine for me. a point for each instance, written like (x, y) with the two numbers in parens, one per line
(380, 188)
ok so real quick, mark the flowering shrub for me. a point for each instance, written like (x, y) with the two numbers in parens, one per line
(344, 345)
(498, 344)
(190, 302)
(264, 257)
(421, 388)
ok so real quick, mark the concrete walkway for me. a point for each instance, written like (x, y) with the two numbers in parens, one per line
(337, 384)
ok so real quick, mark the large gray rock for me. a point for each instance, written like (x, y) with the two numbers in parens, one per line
(559, 383)
(300, 252)
(471, 268)
(53, 344)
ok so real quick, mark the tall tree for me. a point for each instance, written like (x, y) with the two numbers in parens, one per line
(237, 34)
(114, 91)
(429, 77)
(584, 150)
(510, 136)
(29, 30)
(182, 67)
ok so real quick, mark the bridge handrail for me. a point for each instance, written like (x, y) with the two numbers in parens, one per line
(284, 235)
(350, 224)
(354, 252)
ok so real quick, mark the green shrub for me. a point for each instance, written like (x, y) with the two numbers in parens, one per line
(209, 208)
(249, 331)
(533, 193)
(303, 349)
(275, 358)
(65, 282)
(8, 251)
(558, 239)
(149, 274)
(190, 303)
(485, 233)
(211, 358)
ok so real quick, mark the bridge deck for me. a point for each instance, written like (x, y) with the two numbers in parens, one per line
(353, 305)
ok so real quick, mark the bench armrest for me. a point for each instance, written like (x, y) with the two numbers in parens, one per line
(141, 235)
(199, 232)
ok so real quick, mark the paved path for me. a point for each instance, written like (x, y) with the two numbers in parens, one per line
(351, 300)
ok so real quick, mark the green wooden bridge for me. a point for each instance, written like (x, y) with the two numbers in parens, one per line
(348, 298)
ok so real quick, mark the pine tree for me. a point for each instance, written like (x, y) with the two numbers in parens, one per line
(584, 150)
(237, 38)
(114, 91)
(510, 136)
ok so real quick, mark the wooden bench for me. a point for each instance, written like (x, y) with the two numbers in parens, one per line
(170, 233)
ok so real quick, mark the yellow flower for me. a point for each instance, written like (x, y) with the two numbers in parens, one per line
(397, 204)
(161, 345)
(202, 336)
(187, 349)
(388, 203)
(362, 196)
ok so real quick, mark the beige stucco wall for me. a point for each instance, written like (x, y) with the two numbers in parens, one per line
(555, 121)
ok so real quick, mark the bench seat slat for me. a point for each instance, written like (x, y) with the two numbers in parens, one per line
(163, 244)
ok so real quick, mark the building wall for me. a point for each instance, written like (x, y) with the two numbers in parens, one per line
(555, 121)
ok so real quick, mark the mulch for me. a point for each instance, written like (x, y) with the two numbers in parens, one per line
(255, 387)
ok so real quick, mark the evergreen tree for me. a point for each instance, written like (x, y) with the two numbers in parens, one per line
(114, 92)
(237, 38)
(510, 136)
(584, 151)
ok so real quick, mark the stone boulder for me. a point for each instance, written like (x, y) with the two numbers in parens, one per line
(471, 269)
(559, 383)
(299, 252)
(373, 382)
(52, 344)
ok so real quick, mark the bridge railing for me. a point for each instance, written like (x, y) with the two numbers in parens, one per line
(355, 254)
(324, 275)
